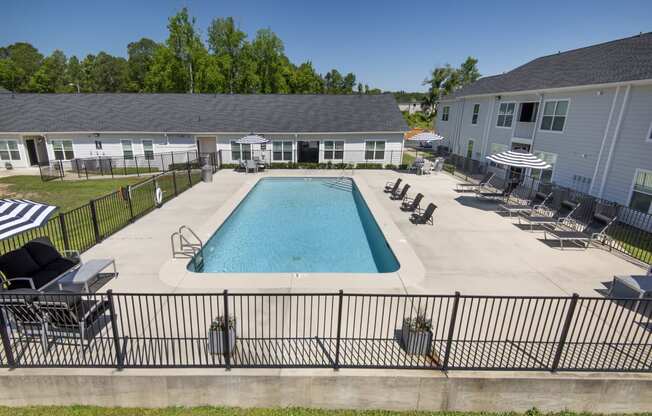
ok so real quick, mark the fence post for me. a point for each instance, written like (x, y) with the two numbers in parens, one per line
(336, 365)
(189, 166)
(174, 182)
(61, 173)
(96, 227)
(136, 161)
(4, 333)
(116, 338)
(564, 332)
(451, 331)
(131, 207)
(225, 332)
(111, 166)
(64, 231)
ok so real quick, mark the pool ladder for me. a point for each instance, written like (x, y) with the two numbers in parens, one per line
(185, 243)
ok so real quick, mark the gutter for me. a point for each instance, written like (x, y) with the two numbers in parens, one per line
(604, 139)
(614, 140)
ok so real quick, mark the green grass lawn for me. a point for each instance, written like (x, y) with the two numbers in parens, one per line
(64, 194)
(220, 411)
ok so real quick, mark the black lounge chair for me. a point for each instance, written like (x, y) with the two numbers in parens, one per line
(18, 306)
(399, 196)
(493, 190)
(391, 187)
(412, 204)
(425, 217)
(545, 217)
(563, 231)
(470, 187)
(36, 265)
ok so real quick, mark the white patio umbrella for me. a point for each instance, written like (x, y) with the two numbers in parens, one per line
(426, 136)
(252, 139)
(18, 215)
(519, 160)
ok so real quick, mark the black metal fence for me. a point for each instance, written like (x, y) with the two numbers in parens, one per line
(83, 227)
(136, 165)
(630, 234)
(335, 330)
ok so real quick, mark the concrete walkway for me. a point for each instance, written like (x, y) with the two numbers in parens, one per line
(471, 248)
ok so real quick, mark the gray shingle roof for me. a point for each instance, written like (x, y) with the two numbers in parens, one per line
(621, 60)
(199, 113)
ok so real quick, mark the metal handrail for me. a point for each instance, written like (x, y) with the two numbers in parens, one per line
(186, 247)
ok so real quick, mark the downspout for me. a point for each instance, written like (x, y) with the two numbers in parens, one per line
(614, 140)
(487, 128)
(604, 139)
(459, 126)
(536, 122)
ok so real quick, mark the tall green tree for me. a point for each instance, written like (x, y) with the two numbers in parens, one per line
(272, 66)
(468, 72)
(105, 73)
(18, 63)
(229, 44)
(74, 75)
(185, 44)
(51, 76)
(305, 80)
(141, 56)
(166, 73)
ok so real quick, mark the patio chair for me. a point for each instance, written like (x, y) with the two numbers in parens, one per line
(36, 265)
(242, 165)
(391, 187)
(493, 190)
(399, 196)
(470, 187)
(251, 165)
(521, 204)
(28, 322)
(71, 316)
(425, 217)
(412, 204)
(540, 216)
(566, 232)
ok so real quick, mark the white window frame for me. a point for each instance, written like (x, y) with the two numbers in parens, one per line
(503, 147)
(543, 112)
(649, 134)
(151, 142)
(498, 114)
(57, 142)
(330, 154)
(538, 153)
(375, 151)
(631, 190)
(476, 114)
(241, 149)
(130, 150)
(283, 144)
(9, 150)
(445, 111)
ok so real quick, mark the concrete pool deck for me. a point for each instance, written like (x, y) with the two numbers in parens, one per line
(471, 248)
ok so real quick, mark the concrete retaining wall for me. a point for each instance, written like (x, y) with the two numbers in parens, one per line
(354, 389)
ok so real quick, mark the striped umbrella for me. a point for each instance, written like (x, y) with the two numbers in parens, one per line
(252, 139)
(18, 215)
(519, 160)
(426, 136)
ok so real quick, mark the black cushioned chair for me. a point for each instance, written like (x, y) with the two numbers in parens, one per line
(36, 265)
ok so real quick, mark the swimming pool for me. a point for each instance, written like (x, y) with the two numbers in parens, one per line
(301, 225)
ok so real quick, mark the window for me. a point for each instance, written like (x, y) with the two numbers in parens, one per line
(505, 115)
(63, 149)
(476, 112)
(148, 149)
(649, 134)
(545, 175)
(127, 150)
(9, 150)
(528, 112)
(375, 150)
(641, 199)
(334, 150)
(469, 148)
(444, 113)
(240, 151)
(98, 144)
(554, 115)
(282, 151)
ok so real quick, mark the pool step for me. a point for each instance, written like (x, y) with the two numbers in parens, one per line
(343, 184)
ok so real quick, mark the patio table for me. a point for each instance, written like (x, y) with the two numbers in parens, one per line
(87, 273)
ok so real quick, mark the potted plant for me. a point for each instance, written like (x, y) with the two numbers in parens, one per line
(416, 335)
(216, 335)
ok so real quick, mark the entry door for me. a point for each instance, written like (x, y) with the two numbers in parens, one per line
(517, 173)
(469, 149)
(308, 151)
(206, 145)
(30, 144)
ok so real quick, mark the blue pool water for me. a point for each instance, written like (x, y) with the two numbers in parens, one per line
(305, 225)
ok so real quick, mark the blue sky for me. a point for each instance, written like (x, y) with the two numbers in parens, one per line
(388, 44)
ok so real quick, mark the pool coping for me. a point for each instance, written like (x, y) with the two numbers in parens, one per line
(411, 272)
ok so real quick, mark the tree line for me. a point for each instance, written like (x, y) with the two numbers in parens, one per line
(227, 62)
(446, 80)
